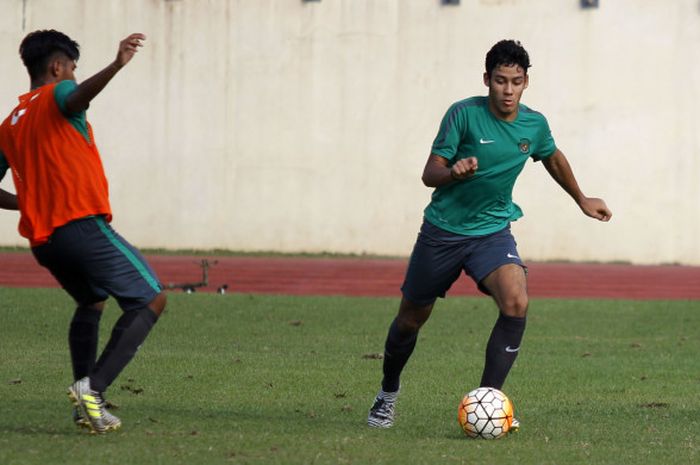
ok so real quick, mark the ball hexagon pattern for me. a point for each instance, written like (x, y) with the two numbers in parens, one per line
(485, 413)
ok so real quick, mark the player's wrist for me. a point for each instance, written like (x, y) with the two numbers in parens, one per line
(116, 65)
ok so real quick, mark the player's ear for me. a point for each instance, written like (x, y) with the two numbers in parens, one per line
(55, 67)
(486, 79)
(526, 82)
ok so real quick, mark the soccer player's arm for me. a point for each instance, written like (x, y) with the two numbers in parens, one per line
(438, 171)
(560, 170)
(79, 100)
(8, 201)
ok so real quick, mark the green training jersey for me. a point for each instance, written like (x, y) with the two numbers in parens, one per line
(483, 203)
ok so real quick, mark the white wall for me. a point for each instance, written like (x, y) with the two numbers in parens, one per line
(290, 126)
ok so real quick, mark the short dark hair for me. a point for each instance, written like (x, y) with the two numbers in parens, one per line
(39, 46)
(507, 53)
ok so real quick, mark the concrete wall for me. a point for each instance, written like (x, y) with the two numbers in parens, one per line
(290, 126)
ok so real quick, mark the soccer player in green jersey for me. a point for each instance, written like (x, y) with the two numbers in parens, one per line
(480, 149)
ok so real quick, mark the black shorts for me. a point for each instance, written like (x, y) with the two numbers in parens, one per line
(91, 261)
(439, 257)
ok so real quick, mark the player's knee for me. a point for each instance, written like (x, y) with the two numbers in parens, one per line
(515, 306)
(158, 303)
(95, 306)
(408, 325)
(412, 316)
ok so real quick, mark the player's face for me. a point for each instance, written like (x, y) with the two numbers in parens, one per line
(506, 85)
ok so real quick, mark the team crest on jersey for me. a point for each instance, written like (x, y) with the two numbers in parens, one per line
(524, 146)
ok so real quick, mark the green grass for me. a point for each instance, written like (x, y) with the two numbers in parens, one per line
(284, 380)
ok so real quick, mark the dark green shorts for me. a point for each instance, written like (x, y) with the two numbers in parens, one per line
(439, 257)
(91, 261)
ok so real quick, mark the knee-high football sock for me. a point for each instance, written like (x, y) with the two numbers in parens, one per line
(128, 334)
(82, 340)
(397, 350)
(502, 349)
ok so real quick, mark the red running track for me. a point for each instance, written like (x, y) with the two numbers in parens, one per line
(383, 277)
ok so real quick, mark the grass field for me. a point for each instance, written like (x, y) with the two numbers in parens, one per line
(288, 380)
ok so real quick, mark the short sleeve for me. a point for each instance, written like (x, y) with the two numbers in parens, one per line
(61, 93)
(545, 146)
(453, 126)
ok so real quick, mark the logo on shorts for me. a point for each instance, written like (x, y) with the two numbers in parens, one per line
(524, 146)
(510, 255)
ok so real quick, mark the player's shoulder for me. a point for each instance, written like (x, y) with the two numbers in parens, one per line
(39, 93)
(468, 105)
(470, 102)
(61, 90)
(56, 93)
(531, 113)
(66, 85)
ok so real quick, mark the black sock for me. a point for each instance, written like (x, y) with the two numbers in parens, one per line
(397, 350)
(128, 334)
(502, 349)
(82, 340)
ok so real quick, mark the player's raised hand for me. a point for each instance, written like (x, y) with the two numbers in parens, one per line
(464, 168)
(79, 99)
(595, 208)
(128, 47)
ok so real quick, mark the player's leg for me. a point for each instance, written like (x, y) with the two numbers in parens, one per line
(122, 271)
(401, 340)
(105, 264)
(59, 257)
(433, 267)
(83, 342)
(399, 345)
(494, 263)
(129, 333)
(83, 335)
(508, 287)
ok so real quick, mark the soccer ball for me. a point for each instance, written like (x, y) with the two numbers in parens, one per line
(485, 413)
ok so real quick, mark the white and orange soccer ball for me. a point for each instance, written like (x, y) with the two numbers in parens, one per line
(485, 413)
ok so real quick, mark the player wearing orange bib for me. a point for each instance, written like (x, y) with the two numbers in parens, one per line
(62, 196)
(52, 188)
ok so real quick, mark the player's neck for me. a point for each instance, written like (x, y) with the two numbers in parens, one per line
(41, 82)
(507, 117)
(35, 84)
